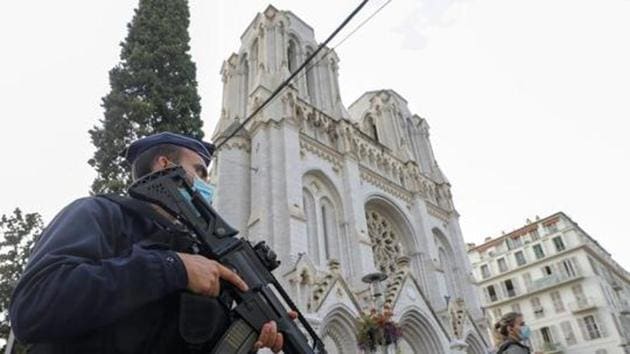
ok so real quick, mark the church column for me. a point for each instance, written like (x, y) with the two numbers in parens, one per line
(277, 214)
(233, 183)
(296, 221)
(354, 210)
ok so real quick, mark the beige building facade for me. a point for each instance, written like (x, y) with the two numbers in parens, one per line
(573, 295)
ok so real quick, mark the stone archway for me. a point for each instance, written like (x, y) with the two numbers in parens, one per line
(339, 332)
(474, 345)
(419, 334)
(390, 234)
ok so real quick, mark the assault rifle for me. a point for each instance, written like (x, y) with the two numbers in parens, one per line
(214, 238)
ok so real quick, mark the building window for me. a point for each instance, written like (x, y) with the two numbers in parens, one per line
(485, 271)
(557, 241)
(518, 242)
(593, 265)
(516, 307)
(558, 305)
(538, 251)
(492, 294)
(497, 313)
(292, 55)
(509, 288)
(310, 79)
(520, 258)
(551, 228)
(547, 271)
(545, 333)
(591, 328)
(539, 311)
(569, 268)
(509, 243)
(326, 227)
(578, 292)
(534, 235)
(527, 279)
(311, 227)
(502, 265)
(567, 331)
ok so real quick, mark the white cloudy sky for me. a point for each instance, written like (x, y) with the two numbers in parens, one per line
(527, 100)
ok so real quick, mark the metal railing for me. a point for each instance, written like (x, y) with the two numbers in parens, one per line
(550, 348)
(552, 280)
(583, 304)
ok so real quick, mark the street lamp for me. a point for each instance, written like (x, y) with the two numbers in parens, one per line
(374, 280)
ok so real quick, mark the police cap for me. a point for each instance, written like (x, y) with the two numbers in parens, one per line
(202, 148)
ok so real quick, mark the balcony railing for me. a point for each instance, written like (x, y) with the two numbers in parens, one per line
(552, 348)
(551, 280)
(582, 305)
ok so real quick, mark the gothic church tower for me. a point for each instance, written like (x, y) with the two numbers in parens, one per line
(339, 193)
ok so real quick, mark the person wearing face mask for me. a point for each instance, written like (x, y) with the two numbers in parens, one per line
(513, 332)
(98, 281)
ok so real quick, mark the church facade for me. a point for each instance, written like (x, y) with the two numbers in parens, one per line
(340, 193)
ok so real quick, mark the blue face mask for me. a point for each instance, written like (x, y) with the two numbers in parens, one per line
(525, 332)
(206, 190)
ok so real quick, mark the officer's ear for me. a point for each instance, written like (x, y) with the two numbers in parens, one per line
(160, 163)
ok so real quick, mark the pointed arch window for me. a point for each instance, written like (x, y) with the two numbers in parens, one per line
(311, 225)
(292, 55)
(327, 236)
(310, 78)
(329, 229)
(253, 60)
(447, 270)
(244, 85)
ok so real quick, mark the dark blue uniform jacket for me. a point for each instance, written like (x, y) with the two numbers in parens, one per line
(95, 284)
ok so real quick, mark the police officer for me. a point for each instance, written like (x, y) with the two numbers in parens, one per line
(95, 284)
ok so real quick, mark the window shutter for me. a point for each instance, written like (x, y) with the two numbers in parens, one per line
(567, 330)
(576, 265)
(537, 341)
(555, 335)
(583, 329)
(601, 325)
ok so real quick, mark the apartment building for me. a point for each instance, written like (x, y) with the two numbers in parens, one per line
(574, 296)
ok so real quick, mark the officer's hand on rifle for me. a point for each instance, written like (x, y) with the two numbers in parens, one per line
(269, 336)
(204, 277)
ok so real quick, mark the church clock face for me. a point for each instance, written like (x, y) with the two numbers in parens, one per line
(385, 242)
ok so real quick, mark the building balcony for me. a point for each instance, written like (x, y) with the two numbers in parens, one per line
(582, 305)
(551, 281)
(552, 348)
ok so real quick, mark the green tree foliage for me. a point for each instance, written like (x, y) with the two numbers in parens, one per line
(17, 234)
(153, 89)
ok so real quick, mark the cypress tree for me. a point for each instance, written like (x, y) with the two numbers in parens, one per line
(153, 89)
